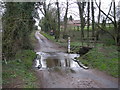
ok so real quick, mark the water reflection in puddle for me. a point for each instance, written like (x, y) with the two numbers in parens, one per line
(57, 59)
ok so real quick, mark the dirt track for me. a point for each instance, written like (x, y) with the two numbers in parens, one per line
(63, 77)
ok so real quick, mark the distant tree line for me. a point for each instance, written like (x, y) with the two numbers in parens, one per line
(96, 26)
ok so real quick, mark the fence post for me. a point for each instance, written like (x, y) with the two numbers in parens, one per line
(68, 44)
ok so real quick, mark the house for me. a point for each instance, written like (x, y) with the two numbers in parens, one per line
(74, 23)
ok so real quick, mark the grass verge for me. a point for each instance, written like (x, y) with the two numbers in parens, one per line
(48, 36)
(18, 73)
(104, 58)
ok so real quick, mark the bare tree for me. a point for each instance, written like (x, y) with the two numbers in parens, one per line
(44, 10)
(118, 33)
(88, 21)
(65, 19)
(112, 18)
(99, 12)
(58, 27)
(118, 11)
(47, 22)
(93, 20)
(81, 6)
(115, 24)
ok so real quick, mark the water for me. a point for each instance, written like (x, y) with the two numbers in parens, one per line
(56, 59)
(62, 67)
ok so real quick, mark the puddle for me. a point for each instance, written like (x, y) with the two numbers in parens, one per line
(52, 63)
(48, 60)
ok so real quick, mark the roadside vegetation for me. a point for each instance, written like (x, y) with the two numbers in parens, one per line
(104, 56)
(18, 73)
(18, 43)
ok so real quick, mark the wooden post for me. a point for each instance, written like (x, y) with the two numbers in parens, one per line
(68, 44)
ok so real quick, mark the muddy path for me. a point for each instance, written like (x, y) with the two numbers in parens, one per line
(59, 72)
(44, 45)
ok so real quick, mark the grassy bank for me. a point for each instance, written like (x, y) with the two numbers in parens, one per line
(104, 58)
(18, 73)
(48, 36)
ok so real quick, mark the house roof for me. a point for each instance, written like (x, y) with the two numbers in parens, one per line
(74, 22)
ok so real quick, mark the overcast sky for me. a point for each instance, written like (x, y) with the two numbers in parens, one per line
(73, 8)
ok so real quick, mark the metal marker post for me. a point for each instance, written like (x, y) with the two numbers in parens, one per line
(68, 44)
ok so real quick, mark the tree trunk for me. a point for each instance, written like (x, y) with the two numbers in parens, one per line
(58, 27)
(81, 11)
(88, 21)
(115, 24)
(99, 12)
(93, 22)
(45, 14)
(118, 33)
(65, 20)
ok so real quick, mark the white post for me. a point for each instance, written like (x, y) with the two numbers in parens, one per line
(68, 44)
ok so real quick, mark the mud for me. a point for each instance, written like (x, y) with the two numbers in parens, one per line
(60, 71)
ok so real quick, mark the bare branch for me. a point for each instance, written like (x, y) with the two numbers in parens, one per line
(105, 31)
(111, 15)
(109, 10)
(42, 11)
(104, 13)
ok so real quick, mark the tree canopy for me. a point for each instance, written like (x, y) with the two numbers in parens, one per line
(17, 26)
